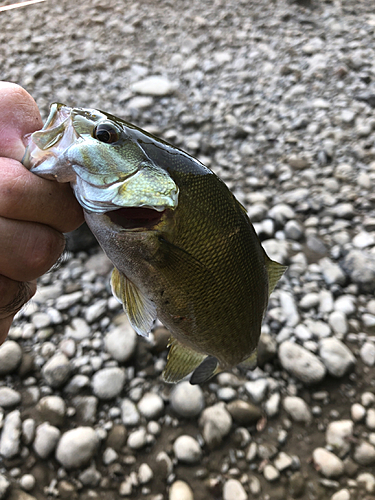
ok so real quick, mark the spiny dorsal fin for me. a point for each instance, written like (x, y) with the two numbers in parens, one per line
(140, 310)
(206, 370)
(181, 361)
(275, 271)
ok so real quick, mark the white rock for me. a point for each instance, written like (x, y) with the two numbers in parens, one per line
(11, 434)
(187, 400)
(151, 405)
(368, 480)
(145, 473)
(257, 389)
(57, 370)
(76, 447)
(367, 353)
(282, 461)
(332, 273)
(180, 490)
(10, 357)
(272, 405)
(327, 463)
(363, 240)
(298, 409)
(338, 435)
(41, 320)
(109, 456)
(367, 399)
(137, 439)
(4, 486)
(309, 301)
(345, 304)
(66, 301)
(233, 490)
(96, 310)
(301, 363)
(370, 419)
(9, 397)
(108, 382)
(129, 413)
(343, 494)
(289, 308)
(337, 358)
(28, 431)
(357, 412)
(364, 454)
(121, 342)
(337, 321)
(154, 86)
(46, 439)
(271, 473)
(78, 329)
(187, 450)
(216, 422)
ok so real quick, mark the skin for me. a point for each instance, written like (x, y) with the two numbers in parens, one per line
(34, 212)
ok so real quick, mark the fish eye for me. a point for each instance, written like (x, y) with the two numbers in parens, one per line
(107, 133)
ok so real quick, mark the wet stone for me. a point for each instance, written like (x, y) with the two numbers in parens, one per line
(244, 413)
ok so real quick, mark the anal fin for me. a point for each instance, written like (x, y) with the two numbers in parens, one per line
(140, 310)
(206, 370)
(181, 361)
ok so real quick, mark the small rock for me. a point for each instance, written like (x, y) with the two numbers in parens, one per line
(337, 321)
(343, 494)
(360, 267)
(216, 422)
(145, 473)
(327, 463)
(154, 86)
(76, 447)
(56, 371)
(108, 382)
(180, 490)
(233, 490)
(271, 473)
(137, 439)
(121, 342)
(338, 435)
(151, 406)
(357, 412)
(9, 397)
(367, 353)
(368, 480)
(282, 461)
(86, 407)
(109, 456)
(332, 273)
(46, 439)
(187, 450)
(187, 400)
(11, 434)
(129, 413)
(244, 413)
(297, 408)
(4, 486)
(337, 358)
(90, 477)
(257, 389)
(10, 357)
(52, 409)
(289, 308)
(301, 363)
(272, 405)
(96, 310)
(364, 454)
(78, 329)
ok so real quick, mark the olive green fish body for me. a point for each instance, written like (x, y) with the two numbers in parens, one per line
(183, 247)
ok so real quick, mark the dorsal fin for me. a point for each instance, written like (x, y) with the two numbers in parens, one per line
(181, 361)
(140, 310)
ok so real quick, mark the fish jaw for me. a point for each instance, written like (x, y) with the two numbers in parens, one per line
(104, 176)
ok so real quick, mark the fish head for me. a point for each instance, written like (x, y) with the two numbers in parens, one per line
(103, 159)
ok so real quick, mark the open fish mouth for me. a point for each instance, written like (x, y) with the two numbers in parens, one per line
(135, 218)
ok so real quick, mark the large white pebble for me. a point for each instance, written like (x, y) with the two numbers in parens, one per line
(10, 357)
(187, 449)
(151, 405)
(233, 490)
(328, 464)
(187, 400)
(76, 447)
(180, 491)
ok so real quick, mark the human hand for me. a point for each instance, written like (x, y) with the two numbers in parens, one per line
(34, 212)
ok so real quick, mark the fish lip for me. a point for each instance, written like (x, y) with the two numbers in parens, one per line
(135, 219)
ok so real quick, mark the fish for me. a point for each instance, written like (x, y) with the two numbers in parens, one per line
(183, 247)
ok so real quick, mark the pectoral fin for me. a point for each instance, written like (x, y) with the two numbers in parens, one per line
(181, 361)
(275, 271)
(140, 310)
(251, 362)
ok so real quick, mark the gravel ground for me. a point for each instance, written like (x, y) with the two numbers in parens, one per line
(277, 98)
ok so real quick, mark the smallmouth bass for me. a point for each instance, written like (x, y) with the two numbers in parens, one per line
(183, 248)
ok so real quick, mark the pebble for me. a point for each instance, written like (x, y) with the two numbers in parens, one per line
(332, 272)
(302, 364)
(343, 494)
(283, 461)
(10, 357)
(233, 490)
(121, 342)
(57, 370)
(272, 405)
(77, 447)
(339, 435)
(28, 430)
(145, 473)
(357, 412)
(9, 397)
(137, 439)
(338, 322)
(41, 320)
(337, 358)
(298, 409)
(271, 473)
(367, 353)
(96, 310)
(257, 389)
(108, 382)
(66, 301)
(46, 439)
(4, 486)
(244, 413)
(78, 329)
(52, 409)
(328, 464)
(129, 413)
(187, 450)
(364, 454)
(360, 267)
(180, 490)
(289, 308)
(216, 422)
(154, 86)
(187, 400)
(151, 406)
(11, 434)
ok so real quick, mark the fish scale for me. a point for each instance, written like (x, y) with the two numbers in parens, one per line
(183, 247)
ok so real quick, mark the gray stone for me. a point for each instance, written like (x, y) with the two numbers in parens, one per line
(4, 486)
(108, 382)
(57, 370)
(145, 473)
(367, 353)
(66, 301)
(216, 422)
(76, 447)
(90, 477)
(332, 273)
(46, 439)
(10, 357)
(302, 364)
(272, 405)
(78, 329)
(154, 86)
(243, 412)
(338, 435)
(96, 310)
(86, 407)
(187, 450)
(121, 342)
(10, 435)
(297, 409)
(337, 321)
(289, 308)
(52, 409)
(129, 413)
(28, 430)
(360, 267)
(337, 358)
(257, 389)
(151, 405)
(9, 397)
(187, 400)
